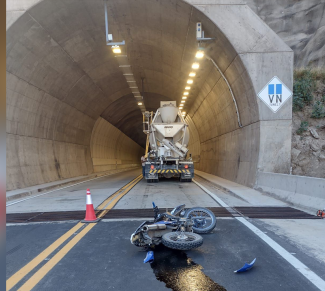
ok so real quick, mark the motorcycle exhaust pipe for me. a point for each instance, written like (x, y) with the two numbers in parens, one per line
(154, 227)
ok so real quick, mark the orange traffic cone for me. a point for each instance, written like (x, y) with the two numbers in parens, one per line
(90, 212)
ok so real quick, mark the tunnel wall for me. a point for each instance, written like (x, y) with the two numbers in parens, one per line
(57, 49)
(47, 140)
(249, 54)
(112, 149)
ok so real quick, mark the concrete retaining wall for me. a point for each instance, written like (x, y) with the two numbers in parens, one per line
(307, 192)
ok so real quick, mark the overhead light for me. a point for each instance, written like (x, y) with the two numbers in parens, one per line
(183, 101)
(199, 54)
(184, 97)
(187, 88)
(139, 103)
(185, 93)
(183, 113)
(195, 66)
(192, 74)
(189, 81)
(116, 49)
(130, 81)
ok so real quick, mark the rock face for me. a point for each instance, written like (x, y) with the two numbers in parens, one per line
(300, 23)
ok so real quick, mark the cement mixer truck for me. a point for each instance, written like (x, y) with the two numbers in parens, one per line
(167, 141)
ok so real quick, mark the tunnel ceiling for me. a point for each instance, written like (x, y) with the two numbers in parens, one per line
(59, 47)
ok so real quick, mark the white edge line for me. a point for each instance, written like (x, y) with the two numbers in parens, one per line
(299, 266)
(34, 196)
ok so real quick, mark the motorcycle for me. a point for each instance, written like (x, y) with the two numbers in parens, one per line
(179, 229)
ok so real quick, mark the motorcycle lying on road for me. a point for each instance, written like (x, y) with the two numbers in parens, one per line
(179, 229)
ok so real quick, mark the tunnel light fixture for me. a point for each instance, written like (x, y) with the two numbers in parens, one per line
(187, 88)
(116, 49)
(183, 101)
(195, 66)
(192, 74)
(185, 93)
(183, 113)
(130, 81)
(199, 54)
(139, 103)
(189, 81)
(184, 97)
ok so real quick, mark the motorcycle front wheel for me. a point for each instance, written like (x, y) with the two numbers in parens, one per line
(204, 221)
(182, 240)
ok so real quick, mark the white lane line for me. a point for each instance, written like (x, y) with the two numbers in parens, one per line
(34, 196)
(299, 266)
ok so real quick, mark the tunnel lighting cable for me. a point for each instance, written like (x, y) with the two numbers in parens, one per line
(298, 265)
(231, 92)
(14, 279)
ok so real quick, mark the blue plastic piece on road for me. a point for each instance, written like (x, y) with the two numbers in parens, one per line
(246, 267)
(149, 258)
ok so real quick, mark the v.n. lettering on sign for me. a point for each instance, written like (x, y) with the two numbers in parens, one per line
(277, 101)
(274, 94)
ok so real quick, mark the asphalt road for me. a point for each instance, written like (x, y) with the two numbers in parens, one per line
(105, 260)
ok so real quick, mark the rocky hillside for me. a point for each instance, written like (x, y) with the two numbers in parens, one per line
(300, 23)
(308, 132)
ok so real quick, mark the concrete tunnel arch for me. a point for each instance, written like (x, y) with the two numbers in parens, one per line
(70, 111)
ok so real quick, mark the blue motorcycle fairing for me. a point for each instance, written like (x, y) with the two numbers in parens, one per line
(149, 258)
(163, 222)
(246, 267)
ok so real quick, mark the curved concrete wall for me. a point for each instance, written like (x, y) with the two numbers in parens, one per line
(47, 139)
(112, 149)
(58, 48)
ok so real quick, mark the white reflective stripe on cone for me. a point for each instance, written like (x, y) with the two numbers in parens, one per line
(89, 201)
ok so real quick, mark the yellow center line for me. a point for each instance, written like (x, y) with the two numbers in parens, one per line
(102, 205)
(14, 279)
(39, 275)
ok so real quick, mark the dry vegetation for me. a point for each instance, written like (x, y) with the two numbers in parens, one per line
(308, 131)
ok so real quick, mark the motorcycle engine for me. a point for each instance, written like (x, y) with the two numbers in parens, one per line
(137, 240)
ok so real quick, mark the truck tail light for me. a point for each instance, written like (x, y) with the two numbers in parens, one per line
(186, 166)
(152, 167)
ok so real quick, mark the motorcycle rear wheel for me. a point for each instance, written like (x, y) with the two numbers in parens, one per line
(204, 221)
(184, 241)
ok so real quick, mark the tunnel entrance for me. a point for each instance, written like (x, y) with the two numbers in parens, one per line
(70, 110)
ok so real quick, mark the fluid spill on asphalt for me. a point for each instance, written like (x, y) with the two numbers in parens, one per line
(180, 273)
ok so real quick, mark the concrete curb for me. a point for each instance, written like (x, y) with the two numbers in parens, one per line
(300, 191)
(41, 189)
